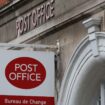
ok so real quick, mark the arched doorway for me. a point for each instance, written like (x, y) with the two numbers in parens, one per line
(86, 72)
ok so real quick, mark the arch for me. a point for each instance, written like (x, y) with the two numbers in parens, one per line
(86, 71)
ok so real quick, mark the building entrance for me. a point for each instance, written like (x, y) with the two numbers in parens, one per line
(85, 73)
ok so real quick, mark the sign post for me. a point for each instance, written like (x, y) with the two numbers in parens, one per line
(26, 78)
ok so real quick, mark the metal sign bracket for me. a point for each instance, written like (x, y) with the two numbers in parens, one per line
(36, 47)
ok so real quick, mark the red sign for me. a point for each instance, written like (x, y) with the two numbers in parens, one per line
(27, 78)
(4, 2)
(25, 73)
(26, 100)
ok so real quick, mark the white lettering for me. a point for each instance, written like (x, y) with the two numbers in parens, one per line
(25, 67)
(8, 101)
(25, 76)
(12, 76)
(37, 102)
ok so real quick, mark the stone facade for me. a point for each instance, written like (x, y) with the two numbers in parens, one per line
(65, 26)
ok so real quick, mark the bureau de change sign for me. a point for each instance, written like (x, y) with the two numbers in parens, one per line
(26, 78)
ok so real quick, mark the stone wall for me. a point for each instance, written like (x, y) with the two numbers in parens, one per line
(66, 26)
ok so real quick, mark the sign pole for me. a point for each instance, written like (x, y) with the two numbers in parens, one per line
(41, 46)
